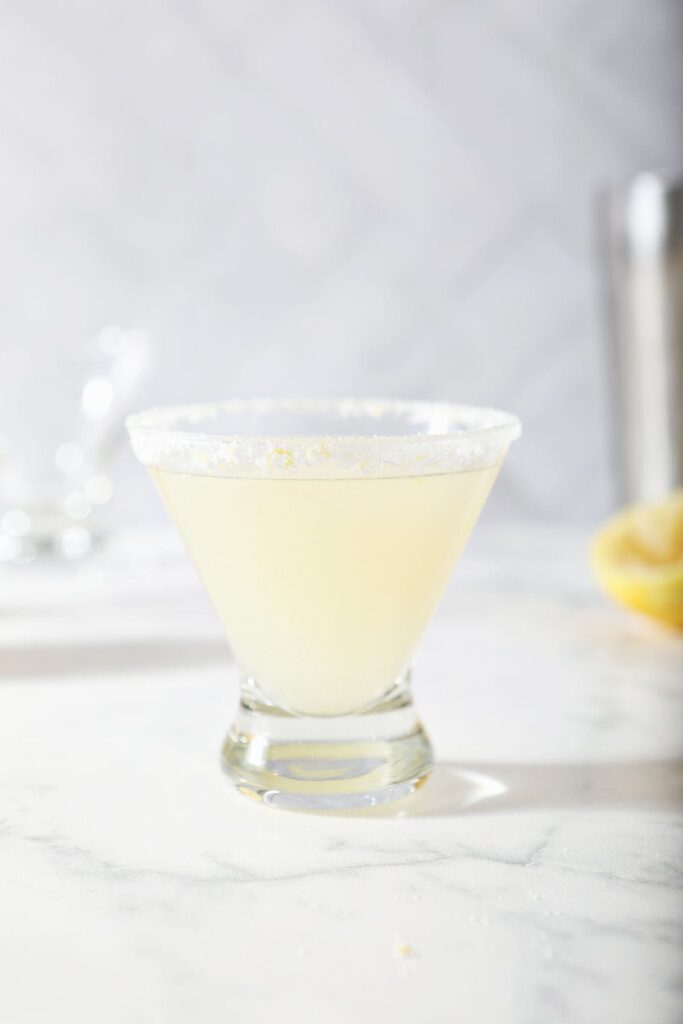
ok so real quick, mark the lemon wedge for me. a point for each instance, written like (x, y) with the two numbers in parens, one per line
(638, 559)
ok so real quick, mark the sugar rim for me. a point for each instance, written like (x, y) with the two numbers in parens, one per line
(464, 437)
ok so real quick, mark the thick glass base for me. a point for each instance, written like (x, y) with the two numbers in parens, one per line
(342, 763)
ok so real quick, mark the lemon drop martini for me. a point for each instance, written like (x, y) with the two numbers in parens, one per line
(325, 533)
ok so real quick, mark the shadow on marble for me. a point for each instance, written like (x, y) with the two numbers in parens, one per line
(99, 660)
(456, 789)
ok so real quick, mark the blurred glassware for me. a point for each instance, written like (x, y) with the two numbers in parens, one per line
(645, 236)
(61, 419)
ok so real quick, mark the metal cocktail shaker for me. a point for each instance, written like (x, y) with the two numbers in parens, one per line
(645, 233)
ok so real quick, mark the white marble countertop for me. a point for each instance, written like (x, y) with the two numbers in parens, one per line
(136, 887)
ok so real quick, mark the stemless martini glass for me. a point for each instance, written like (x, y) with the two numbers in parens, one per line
(325, 533)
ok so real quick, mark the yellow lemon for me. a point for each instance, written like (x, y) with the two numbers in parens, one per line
(638, 558)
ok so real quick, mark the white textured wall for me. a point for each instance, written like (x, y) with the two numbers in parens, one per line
(360, 196)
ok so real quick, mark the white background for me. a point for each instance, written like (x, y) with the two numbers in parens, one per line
(338, 197)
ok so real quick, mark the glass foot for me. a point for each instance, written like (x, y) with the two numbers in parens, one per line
(342, 763)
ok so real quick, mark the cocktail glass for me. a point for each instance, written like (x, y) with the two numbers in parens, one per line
(325, 533)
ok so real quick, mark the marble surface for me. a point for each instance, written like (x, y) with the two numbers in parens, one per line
(137, 887)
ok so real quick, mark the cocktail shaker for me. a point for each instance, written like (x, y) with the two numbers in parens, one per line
(645, 251)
